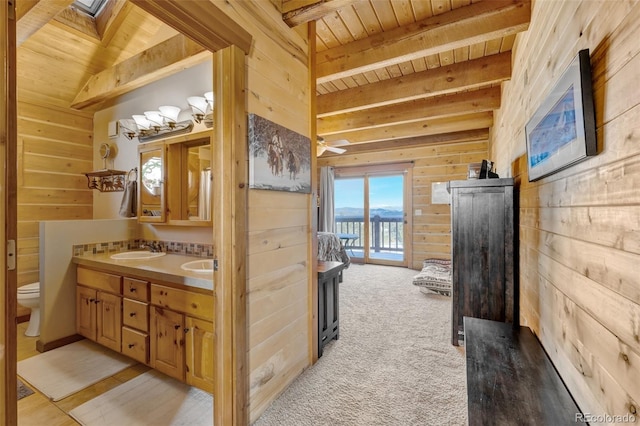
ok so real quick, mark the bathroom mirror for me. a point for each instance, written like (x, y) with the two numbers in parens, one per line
(189, 176)
(152, 185)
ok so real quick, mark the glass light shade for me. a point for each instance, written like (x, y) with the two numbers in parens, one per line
(209, 97)
(170, 113)
(128, 125)
(142, 122)
(155, 118)
(198, 104)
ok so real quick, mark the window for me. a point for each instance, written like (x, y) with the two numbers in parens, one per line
(90, 7)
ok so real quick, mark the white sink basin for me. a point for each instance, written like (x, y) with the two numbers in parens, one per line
(204, 265)
(136, 255)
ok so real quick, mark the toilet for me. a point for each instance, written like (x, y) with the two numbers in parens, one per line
(29, 297)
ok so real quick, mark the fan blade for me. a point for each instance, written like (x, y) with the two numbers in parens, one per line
(339, 142)
(336, 150)
(320, 150)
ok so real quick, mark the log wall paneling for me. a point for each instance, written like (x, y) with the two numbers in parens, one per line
(431, 236)
(278, 260)
(55, 148)
(579, 233)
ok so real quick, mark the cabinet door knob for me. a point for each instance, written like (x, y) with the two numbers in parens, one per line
(177, 326)
(132, 289)
(132, 314)
(96, 301)
(92, 300)
(186, 330)
(131, 345)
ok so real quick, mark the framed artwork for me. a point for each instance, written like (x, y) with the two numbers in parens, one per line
(562, 131)
(279, 158)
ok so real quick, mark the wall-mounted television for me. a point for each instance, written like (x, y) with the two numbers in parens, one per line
(562, 131)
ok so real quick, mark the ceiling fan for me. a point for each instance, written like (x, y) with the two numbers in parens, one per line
(322, 146)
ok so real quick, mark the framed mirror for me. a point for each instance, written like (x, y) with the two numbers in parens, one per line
(152, 205)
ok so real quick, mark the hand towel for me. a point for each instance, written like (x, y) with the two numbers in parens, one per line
(129, 205)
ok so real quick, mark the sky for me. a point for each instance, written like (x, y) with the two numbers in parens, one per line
(384, 192)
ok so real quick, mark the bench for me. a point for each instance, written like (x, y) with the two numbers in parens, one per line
(511, 380)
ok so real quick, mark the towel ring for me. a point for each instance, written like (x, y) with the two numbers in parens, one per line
(135, 174)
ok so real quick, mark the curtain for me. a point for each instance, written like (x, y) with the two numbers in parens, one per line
(326, 221)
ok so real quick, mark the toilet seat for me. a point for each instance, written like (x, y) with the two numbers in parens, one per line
(29, 288)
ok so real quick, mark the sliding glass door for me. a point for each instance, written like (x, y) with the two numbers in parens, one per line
(371, 213)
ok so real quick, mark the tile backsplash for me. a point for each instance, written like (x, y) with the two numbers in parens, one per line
(175, 247)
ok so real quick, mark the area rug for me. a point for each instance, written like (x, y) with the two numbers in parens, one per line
(23, 390)
(149, 399)
(66, 370)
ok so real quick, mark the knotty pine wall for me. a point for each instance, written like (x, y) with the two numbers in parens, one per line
(279, 235)
(433, 163)
(580, 228)
(54, 150)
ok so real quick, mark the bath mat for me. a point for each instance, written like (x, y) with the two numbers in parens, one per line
(149, 399)
(23, 390)
(66, 370)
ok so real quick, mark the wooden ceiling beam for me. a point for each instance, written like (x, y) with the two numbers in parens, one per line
(200, 20)
(34, 16)
(474, 121)
(443, 106)
(159, 61)
(462, 76)
(313, 12)
(418, 141)
(468, 25)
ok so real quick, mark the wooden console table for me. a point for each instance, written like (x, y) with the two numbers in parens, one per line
(328, 297)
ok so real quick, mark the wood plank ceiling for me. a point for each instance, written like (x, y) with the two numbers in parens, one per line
(390, 73)
(397, 73)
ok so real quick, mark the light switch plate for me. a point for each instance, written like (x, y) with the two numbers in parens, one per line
(112, 129)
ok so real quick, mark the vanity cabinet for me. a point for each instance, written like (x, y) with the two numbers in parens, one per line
(167, 344)
(167, 327)
(135, 319)
(99, 308)
(175, 181)
(199, 343)
(182, 336)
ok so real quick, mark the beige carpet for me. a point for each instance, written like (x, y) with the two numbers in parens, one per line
(66, 370)
(149, 399)
(393, 364)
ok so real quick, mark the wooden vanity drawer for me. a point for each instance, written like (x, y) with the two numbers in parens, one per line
(189, 302)
(135, 345)
(99, 280)
(135, 289)
(135, 314)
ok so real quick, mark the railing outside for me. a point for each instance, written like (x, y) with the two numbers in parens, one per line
(385, 233)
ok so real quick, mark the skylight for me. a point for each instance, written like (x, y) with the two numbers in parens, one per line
(90, 7)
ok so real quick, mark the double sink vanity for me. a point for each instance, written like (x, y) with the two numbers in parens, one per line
(156, 308)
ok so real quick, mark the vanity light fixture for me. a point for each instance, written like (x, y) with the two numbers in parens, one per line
(199, 106)
(129, 128)
(170, 114)
(155, 119)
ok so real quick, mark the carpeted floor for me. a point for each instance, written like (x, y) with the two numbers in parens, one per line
(393, 365)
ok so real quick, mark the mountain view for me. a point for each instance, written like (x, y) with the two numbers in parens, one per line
(359, 211)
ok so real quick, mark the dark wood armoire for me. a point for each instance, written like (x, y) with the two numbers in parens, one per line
(483, 252)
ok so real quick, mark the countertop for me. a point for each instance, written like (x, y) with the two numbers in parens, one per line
(164, 268)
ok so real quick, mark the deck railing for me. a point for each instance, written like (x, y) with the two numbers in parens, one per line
(385, 233)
